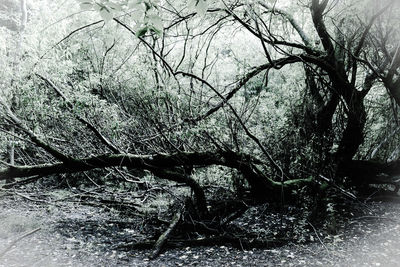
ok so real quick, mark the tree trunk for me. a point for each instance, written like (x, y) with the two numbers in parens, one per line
(169, 167)
(353, 135)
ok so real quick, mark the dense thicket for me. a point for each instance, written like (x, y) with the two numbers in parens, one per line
(269, 98)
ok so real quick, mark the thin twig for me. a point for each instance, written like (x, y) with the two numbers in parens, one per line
(17, 240)
(30, 199)
(317, 234)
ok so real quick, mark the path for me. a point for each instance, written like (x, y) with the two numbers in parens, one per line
(74, 235)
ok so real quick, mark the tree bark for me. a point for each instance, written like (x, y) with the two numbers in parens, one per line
(158, 246)
(353, 135)
(167, 166)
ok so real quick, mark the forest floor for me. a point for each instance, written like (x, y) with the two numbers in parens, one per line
(71, 234)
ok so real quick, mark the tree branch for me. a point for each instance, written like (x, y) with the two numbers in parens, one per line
(37, 140)
(85, 122)
(165, 165)
(292, 21)
(317, 10)
(274, 41)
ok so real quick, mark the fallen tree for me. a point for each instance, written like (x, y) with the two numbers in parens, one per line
(166, 166)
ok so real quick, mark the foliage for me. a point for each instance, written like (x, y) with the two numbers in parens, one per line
(266, 97)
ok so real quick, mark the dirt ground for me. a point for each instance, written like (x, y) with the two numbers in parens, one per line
(76, 235)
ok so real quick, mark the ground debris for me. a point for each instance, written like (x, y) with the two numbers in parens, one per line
(81, 235)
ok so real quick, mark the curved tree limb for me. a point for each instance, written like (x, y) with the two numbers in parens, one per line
(279, 63)
(274, 41)
(317, 10)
